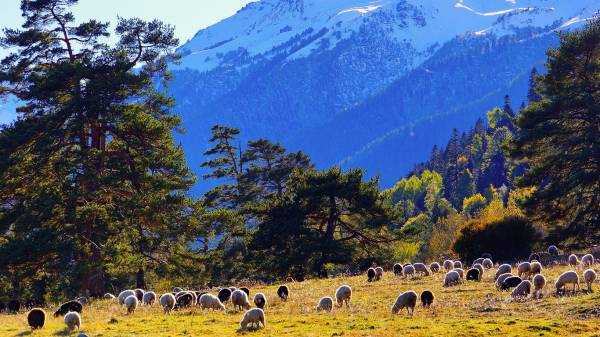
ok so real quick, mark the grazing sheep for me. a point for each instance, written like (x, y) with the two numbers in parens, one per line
(553, 250)
(481, 269)
(36, 318)
(73, 320)
(406, 300)
(131, 303)
(460, 272)
(458, 264)
(587, 260)
(14, 306)
(408, 270)
(246, 290)
(239, 299)
(67, 307)
(535, 268)
(501, 279)
(427, 298)
(533, 257)
(573, 260)
(210, 301)
(522, 290)
(167, 302)
(448, 265)
(524, 269)
(283, 292)
(343, 294)
(452, 277)
(473, 274)
(149, 298)
(503, 269)
(589, 276)
(421, 268)
(510, 282)
(370, 274)
(397, 269)
(260, 300)
(139, 293)
(224, 295)
(82, 299)
(378, 273)
(435, 267)
(124, 294)
(177, 290)
(194, 297)
(539, 281)
(487, 264)
(253, 316)
(565, 278)
(109, 296)
(479, 260)
(325, 304)
(184, 300)
(232, 289)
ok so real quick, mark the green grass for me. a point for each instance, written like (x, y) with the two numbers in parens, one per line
(470, 309)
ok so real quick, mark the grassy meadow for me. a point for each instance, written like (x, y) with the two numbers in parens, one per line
(469, 309)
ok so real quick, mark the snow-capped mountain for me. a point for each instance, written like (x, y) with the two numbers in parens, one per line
(364, 82)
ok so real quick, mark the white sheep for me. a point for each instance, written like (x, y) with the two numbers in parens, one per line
(479, 260)
(109, 296)
(503, 269)
(458, 264)
(479, 267)
(167, 302)
(452, 277)
(260, 300)
(131, 303)
(573, 260)
(325, 304)
(565, 278)
(589, 276)
(501, 279)
(460, 272)
(524, 269)
(487, 264)
(124, 294)
(239, 299)
(343, 295)
(539, 281)
(73, 320)
(448, 265)
(535, 268)
(587, 260)
(210, 301)
(522, 290)
(435, 267)
(408, 270)
(421, 268)
(149, 298)
(253, 316)
(406, 300)
(378, 273)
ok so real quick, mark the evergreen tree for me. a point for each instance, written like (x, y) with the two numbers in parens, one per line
(532, 94)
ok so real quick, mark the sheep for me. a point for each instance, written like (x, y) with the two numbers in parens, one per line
(501, 279)
(589, 276)
(573, 260)
(283, 292)
(260, 300)
(536, 268)
(522, 290)
(553, 250)
(124, 294)
(210, 301)
(481, 269)
(487, 264)
(36, 318)
(378, 273)
(406, 300)
(408, 270)
(232, 289)
(224, 295)
(370, 274)
(435, 267)
(343, 295)
(427, 298)
(564, 279)
(109, 296)
(73, 320)
(510, 282)
(239, 299)
(149, 298)
(587, 260)
(184, 300)
(67, 307)
(524, 269)
(167, 302)
(253, 316)
(458, 264)
(177, 290)
(503, 269)
(421, 268)
(82, 299)
(195, 297)
(460, 272)
(478, 260)
(14, 306)
(487, 256)
(539, 281)
(473, 274)
(246, 290)
(452, 277)
(139, 293)
(131, 303)
(325, 304)
(448, 265)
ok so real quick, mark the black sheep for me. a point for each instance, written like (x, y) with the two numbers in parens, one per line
(283, 292)
(510, 282)
(224, 295)
(67, 307)
(246, 290)
(184, 300)
(139, 293)
(473, 274)
(397, 269)
(370, 274)
(14, 306)
(426, 298)
(36, 318)
(534, 256)
(260, 302)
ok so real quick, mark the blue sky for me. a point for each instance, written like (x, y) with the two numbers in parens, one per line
(188, 16)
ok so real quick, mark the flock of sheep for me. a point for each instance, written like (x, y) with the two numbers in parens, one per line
(528, 280)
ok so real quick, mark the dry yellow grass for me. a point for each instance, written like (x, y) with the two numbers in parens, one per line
(470, 309)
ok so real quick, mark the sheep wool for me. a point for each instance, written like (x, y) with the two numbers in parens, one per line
(478, 261)
(487, 264)
(448, 265)
(36, 318)
(343, 295)
(260, 300)
(397, 269)
(539, 281)
(522, 290)
(254, 316)
(460, 272)
(239, 299)
(587, 260)
(535, 268)
(131, 303)
(568, 277)
(124, 294)
(452, 278)
(427, 298)
(435, 267)
(458, 264)
(524, 269)
(167, 302)
(210, 301)
(378, 273)
(283, 292)
(73, 320)
(553, 250)
(406, 300)
(149, 298)
(501, 279)
(408, 270)
(589, 276)
(109, 296)
(325, 304)
(503, 269)
(573, 260)
(421, 268)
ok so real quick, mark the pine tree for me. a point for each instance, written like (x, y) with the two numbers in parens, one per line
(532, 94)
